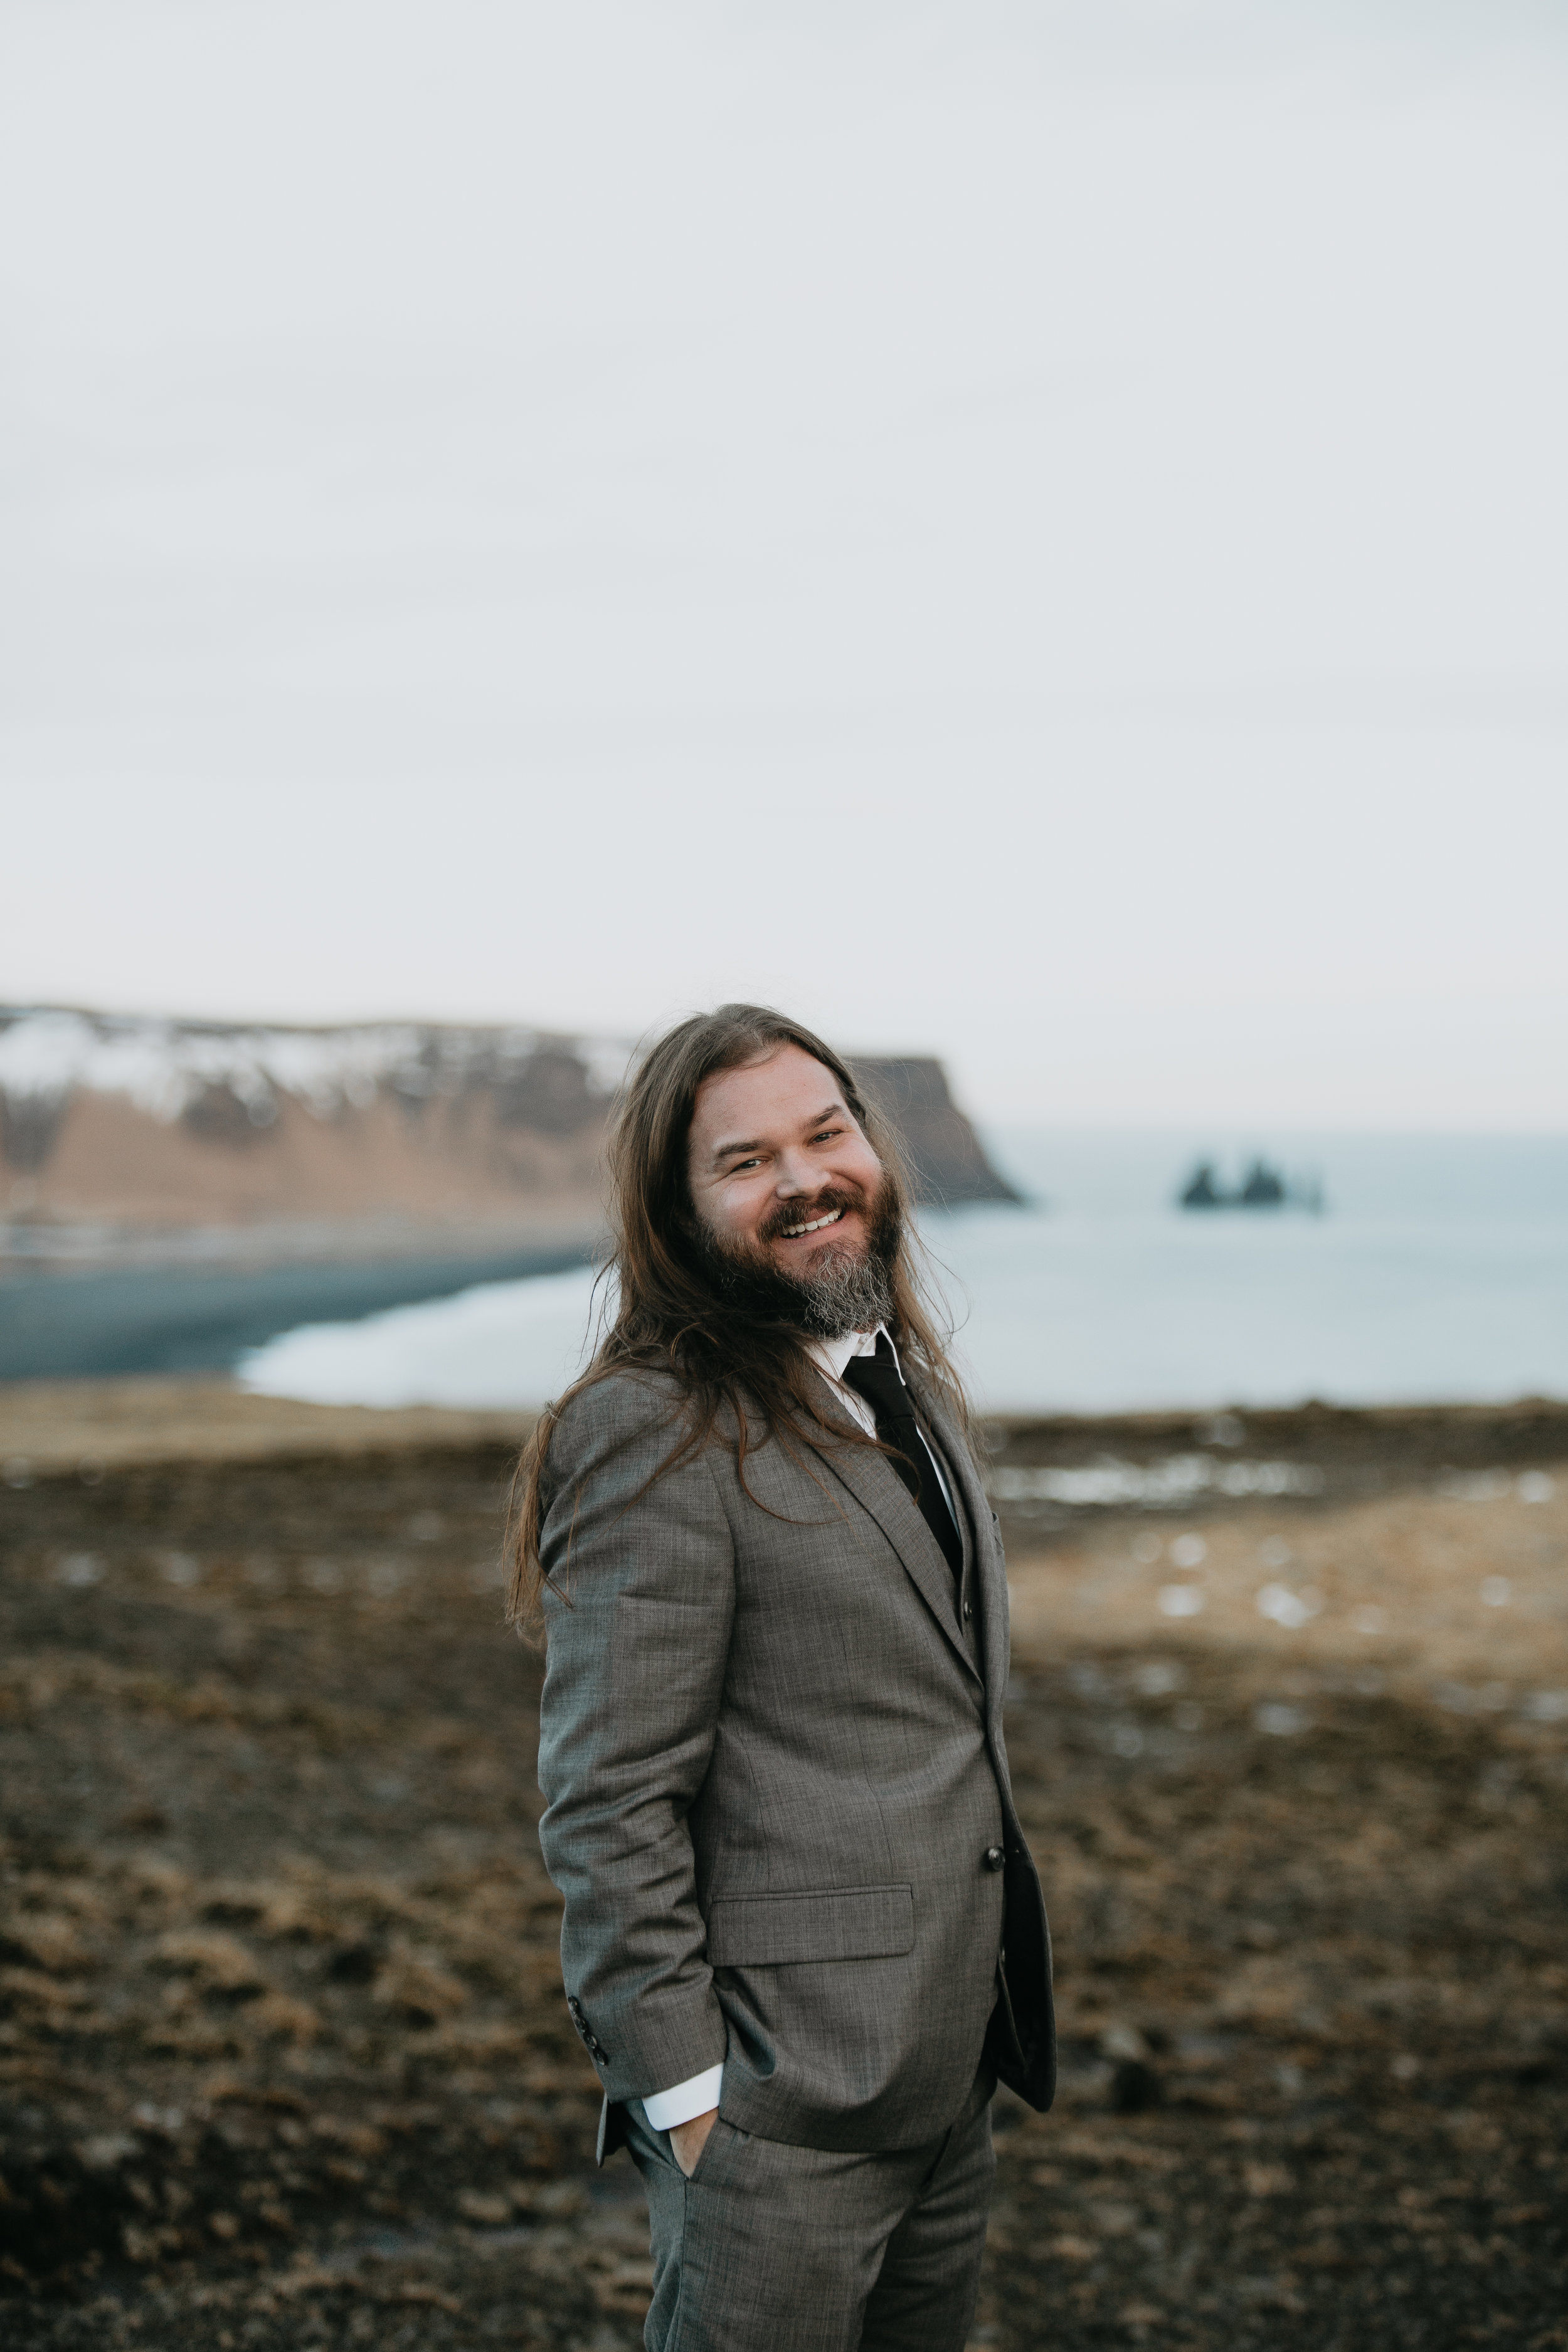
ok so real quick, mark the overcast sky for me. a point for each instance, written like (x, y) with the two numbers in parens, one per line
(1032, 531)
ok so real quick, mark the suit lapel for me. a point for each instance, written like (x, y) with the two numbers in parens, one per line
(990, 1567)
(878, 1488)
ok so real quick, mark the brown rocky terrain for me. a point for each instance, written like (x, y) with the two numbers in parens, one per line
(283, 2055)
(127, 1122)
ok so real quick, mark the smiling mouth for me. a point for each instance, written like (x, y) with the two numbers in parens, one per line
(790, 1232)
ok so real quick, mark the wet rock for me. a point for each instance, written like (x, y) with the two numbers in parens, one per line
(1134, 2087)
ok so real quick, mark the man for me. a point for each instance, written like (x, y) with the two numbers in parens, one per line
(803, 1934)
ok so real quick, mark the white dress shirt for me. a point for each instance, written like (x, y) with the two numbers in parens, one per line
(700, 2092)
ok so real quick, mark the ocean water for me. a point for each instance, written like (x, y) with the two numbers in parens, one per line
(1438, 1271)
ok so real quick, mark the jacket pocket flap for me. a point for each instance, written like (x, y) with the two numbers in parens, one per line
(837, 1923)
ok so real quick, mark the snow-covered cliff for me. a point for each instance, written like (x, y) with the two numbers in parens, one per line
(124, 1120)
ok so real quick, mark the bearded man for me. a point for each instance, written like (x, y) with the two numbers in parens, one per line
(803, 1934)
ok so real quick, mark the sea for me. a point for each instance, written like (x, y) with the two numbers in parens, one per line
(1434, 1269)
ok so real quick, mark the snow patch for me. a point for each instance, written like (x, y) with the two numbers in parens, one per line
(162, 1066)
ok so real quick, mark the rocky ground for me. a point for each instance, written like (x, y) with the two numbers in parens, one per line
(283, 2056)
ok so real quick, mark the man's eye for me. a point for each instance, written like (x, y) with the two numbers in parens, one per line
(827, 1135)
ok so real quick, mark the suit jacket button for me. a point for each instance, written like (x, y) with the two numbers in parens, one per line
(969, 1607)
(994, 1857)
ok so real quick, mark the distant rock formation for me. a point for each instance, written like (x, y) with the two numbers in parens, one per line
(1263, 1187)
(1201, 1191)
(127, 1122)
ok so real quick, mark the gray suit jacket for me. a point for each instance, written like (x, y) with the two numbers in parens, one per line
(778, 1807)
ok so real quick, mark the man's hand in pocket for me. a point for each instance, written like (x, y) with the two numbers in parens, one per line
(686, 2141)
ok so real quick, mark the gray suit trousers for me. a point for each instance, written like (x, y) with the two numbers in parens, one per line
(774, 2248)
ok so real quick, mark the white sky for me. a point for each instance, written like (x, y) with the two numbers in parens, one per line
(1032, 531)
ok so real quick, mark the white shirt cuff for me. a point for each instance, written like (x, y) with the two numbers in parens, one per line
(668, 2109)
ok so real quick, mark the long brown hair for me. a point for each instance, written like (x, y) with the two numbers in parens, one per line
(671, 1318)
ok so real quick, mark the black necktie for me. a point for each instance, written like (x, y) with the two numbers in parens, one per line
(877, 1379)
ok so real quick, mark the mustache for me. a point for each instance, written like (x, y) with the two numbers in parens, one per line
(804, 1212)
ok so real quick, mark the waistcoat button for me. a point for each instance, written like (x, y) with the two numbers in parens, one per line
(994, 1857)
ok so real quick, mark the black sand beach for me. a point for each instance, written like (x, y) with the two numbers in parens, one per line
(97, 1323)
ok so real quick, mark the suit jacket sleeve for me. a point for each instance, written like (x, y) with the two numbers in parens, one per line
(638, 1626)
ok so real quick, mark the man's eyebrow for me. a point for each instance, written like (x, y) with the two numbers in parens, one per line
(729, 1151)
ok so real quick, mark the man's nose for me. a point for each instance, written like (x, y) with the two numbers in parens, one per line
(796, 1176)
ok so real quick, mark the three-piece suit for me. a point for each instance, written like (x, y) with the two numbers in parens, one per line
(779, 1813)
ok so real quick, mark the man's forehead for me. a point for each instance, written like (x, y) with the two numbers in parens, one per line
(787, 1091)
(725, 1144)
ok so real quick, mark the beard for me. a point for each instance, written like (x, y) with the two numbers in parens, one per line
(838, 1290)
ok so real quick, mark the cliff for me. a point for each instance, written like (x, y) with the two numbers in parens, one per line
(947, 1159)
(118, 1125)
